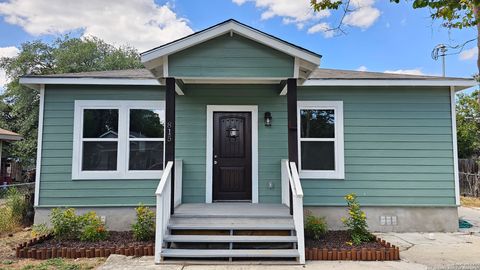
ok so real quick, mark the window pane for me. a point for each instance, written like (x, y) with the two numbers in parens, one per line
(99, 156)
(317, 123)
(146, 123)
(318, 155)
(146, 155)
(100, 123)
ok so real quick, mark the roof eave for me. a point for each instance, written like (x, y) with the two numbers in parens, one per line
(35, 82)
(458, 84)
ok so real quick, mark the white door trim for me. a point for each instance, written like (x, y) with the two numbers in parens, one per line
(209, 166)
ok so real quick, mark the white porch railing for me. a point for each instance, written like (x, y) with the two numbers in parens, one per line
(291, 181)
(164, 201)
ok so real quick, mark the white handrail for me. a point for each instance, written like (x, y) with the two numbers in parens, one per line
(164, 202)
(296, 179)
(297, 204)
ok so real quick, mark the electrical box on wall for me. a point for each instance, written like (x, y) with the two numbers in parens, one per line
(388, 220)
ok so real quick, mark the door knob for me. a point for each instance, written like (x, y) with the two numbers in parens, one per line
(214, 162)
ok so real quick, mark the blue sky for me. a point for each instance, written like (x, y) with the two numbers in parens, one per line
(382, 37)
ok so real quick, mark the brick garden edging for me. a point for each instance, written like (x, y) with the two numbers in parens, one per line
(388, 252)
(27, 250)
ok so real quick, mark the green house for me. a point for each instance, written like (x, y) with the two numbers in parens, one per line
(233, 129)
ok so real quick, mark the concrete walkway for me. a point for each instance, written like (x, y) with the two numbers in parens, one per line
(119, 262)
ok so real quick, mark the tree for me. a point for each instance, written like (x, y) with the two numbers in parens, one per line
(19, 104)
(468, 125)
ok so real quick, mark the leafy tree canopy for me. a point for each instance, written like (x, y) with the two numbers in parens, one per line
(468, 125)
(19, 104)
(455, 13)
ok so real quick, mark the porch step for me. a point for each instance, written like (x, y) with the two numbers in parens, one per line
(230, 239)
(230, 253)
(179, 223)
(237, 210)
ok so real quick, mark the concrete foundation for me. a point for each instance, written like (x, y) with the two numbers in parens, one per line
(408, 219)
(116, 218)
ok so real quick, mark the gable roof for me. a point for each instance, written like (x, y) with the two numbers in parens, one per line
(155, 58)
(320, 76)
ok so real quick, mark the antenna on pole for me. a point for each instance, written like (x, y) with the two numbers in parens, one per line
(440, 51)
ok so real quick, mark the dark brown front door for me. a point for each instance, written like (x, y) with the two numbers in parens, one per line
(232, 156)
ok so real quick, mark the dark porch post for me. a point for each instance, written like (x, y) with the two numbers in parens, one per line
(292, 126)
(170, 132)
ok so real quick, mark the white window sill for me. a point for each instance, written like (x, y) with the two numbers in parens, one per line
(321, 175)
(116, 175)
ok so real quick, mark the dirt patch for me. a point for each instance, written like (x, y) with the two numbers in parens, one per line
(115, 239)
(76, 264)
(9, 241)
(338, 240)
(470, 201)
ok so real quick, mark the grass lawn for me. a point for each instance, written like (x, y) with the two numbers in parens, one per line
(9, 261)
(470, 201)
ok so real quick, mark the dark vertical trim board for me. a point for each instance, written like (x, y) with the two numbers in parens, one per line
(170, 132)
(292, 126)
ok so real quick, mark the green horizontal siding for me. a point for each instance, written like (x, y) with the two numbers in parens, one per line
(56, 185)
(191, 112)
(398, 147)
(230, 56)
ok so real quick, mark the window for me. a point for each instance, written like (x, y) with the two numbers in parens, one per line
(320, 138)
(118, 139)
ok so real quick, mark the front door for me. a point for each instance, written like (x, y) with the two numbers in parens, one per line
(232, 156)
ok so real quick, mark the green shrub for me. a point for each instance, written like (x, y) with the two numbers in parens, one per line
(66, 224)
(15, 200)
(93, 228)
(315, 227)
(357, 221)
(144, 228)
(13, 211)
(7, 223)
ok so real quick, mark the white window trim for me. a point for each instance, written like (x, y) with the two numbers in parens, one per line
(339, 172)
(122, 171)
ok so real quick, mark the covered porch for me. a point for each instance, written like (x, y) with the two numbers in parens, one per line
(230, 144)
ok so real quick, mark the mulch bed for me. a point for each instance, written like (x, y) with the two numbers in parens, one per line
(47, 247)
(333, 246)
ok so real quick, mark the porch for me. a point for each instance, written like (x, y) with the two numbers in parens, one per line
(230, 230)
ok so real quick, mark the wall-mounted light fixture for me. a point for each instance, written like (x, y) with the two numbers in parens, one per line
(268, 119)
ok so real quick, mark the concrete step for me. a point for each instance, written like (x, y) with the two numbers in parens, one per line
(230, 239)
(216, 223)
(230, 253)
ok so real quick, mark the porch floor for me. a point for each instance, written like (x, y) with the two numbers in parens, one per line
(232, 210)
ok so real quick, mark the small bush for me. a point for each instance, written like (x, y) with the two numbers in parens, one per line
(93, 228)
(144, 228)
(66, 224)
(40, 229)
(357, 221)
(315, 227)
(14, 210)
(15, 200)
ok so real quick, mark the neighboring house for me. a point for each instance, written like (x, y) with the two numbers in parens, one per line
(236, 104)
(5, 169)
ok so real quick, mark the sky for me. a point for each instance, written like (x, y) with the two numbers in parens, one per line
(379, 36)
